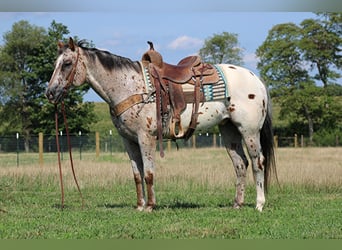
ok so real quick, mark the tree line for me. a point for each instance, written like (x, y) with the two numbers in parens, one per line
(301, 64)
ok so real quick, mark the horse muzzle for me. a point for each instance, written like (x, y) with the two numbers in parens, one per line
(54, 95)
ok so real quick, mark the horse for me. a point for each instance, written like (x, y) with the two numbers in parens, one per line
(243, 116)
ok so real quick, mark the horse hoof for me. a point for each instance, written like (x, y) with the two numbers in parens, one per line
(237, 206)
(259, 208)
(149, 209)
(140, 208)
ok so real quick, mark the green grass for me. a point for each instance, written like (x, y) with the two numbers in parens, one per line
(194, 199)
(31, 210)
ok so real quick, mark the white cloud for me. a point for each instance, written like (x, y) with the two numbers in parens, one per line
(185, 42)
(251, 60)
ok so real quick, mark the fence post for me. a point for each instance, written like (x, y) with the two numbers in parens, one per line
(295, 140)
(17, 136)
(194, 141)
(80, 137)
(97, 143)
(110, 142)
(40, 146)
(214, 140)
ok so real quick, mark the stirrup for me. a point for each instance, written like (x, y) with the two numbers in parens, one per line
(176, 129)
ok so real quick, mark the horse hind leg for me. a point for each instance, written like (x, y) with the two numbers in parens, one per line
(258, 163)
(233, 142)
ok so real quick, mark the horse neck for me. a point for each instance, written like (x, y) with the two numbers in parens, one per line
(113, 85)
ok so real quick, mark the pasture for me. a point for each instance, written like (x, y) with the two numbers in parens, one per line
(194, 198)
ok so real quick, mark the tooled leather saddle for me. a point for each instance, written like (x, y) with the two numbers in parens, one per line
(171, 99)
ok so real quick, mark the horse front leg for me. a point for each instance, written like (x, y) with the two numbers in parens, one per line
(148, 147)
(134, 154)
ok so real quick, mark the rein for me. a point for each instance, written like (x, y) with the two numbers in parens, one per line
(70, 155)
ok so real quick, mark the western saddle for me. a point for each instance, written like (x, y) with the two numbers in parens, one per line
(171, 99)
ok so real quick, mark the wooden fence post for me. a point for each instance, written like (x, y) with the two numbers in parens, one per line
(194, 141)
(40, 146)
(295, 140)
(97, 143)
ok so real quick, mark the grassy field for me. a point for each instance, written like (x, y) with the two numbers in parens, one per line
(194, 197)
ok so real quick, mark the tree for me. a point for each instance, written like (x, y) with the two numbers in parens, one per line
(321, 46)
(281, 67)
(21, 84)
(26, 65)
(222, 48)
(287, 61)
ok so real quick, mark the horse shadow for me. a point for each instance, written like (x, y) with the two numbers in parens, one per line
(175, 205)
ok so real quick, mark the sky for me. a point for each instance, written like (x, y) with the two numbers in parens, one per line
(175, 34)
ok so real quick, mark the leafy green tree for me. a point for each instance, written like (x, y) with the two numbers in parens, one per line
(281, 67)
(321, 46)
(222, 48)
(26, 65)
(21, 85)
(288, 58)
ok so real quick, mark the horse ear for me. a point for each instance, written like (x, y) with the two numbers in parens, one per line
(71, 44)
(60, 44)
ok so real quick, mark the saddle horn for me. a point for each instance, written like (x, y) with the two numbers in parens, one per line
(151, 45)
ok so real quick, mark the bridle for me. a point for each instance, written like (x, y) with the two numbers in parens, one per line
(70, 80)
(71, 77)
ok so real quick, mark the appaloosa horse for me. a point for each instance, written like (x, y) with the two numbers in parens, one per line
(242, 112)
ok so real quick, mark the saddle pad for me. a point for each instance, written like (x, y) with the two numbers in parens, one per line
(212, 92)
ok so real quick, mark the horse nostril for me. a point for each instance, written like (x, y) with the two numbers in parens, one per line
(49, 95)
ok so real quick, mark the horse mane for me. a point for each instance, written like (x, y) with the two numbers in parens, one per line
(107, 59)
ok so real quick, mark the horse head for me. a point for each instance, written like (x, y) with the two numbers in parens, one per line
(69, 71)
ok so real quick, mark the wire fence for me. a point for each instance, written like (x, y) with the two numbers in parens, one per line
(108, 143)
(87, 142)
(15, 149)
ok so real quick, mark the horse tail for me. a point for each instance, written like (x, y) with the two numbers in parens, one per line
(267, 146)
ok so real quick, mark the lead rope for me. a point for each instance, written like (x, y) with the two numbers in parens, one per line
(70, 155)
(59, 158)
